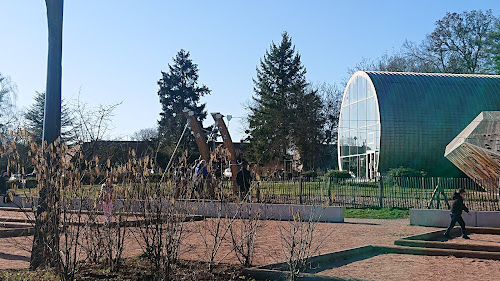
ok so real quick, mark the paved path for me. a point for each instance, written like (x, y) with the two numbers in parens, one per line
(329, 237)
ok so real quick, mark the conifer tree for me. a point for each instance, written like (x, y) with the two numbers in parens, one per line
(179, 89)
(34, 119)
(282, 111)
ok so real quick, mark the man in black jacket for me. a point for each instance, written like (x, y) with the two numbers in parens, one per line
(243, 179)
(3, 183)
(456, 213)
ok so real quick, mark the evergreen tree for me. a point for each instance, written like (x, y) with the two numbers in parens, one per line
(282, 111)
(308, 128)
(34, 119)
(179, 89)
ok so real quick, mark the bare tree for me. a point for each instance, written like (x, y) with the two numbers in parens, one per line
(459, 44)
(93, 123)
(8, 95)
(147, 134)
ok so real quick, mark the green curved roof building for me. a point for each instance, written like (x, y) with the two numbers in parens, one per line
(393, 119)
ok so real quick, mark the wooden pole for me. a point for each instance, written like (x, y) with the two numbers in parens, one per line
(201, 140)
(228, 143)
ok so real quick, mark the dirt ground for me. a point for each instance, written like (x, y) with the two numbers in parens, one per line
(329, 237)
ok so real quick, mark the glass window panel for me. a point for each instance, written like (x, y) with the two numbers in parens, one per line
(353, 116)
(362, 114)
(353, 142)
(344, 143)
(370, 138)
(369, 90)
(377, 138)
(345, 164)
(353, 165)
(371, 111)
(362, 166)
(354, 90)
(344, 118)
(361, 88)
(361, 141)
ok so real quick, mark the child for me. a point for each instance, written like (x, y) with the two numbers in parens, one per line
(456, 213)
(106, 197)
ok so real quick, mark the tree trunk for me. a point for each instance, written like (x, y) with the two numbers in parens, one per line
(45, 250)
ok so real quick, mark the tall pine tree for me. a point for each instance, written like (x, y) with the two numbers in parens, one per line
(308, 128)
(34, 119)
(282, 112)
(179, 89)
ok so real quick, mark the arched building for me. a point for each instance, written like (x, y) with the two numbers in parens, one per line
(393, 119)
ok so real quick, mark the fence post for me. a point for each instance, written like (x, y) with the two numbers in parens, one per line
(300, 189)
(329, 191)
(439, 194)
(381, 192)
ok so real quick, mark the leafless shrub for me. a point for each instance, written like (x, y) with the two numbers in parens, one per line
(162, 230)
(92, 234)
(213, 231)
(297, 239)
(244, 233)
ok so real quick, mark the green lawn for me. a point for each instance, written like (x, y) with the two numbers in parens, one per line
(383, 213)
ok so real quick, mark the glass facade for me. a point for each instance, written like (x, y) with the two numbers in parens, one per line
(359, 128)
(397, 119)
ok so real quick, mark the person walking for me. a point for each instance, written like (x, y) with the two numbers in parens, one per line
(106, 198)
(243, 179)
(200, 174)
(456, 213)
(3, 183)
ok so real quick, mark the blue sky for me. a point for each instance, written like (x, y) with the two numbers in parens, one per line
(114, 51)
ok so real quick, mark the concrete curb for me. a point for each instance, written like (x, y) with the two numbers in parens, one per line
(441, 218)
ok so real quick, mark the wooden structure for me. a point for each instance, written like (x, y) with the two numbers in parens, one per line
(201, 140)
(228, 143)
(476, 150)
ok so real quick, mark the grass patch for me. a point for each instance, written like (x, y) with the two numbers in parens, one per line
(26, 275)
(382, 213)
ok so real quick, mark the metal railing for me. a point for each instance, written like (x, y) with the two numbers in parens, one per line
(393, 192)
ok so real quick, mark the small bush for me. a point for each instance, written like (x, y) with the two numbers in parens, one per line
(11, 184)
(309, 174)
(405, 172)
(338, 174)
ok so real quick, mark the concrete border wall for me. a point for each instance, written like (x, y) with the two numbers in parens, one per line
(210, 208)
(18, 202)
(265, 211)
(441, 218)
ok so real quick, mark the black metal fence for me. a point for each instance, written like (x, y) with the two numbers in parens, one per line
(399, 192)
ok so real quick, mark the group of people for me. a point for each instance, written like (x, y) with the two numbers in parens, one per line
(198, 175)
